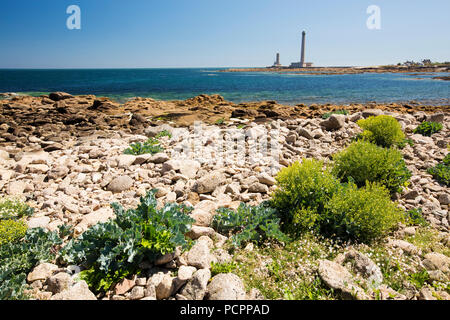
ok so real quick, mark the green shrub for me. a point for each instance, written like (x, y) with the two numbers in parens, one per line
(415, 217)
(19, 258)
(303, 190)
(150, 146)
(362, 214)
(428, 128)
(328, 114)
(14, 208)
(363, 161)
(227, 267)
(382, 130)
(115, 248)
(220, 121)
(441, 172)
(403, 144)
(12, 230)
(249, 223)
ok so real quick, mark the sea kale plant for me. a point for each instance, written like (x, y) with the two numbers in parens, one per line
(150, 146)
(428, 128)
(19, 257)
(249, 224)
(441, 172)
(382, 130)
(114, 249)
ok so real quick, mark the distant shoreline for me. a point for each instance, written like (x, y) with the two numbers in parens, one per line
(348, 70)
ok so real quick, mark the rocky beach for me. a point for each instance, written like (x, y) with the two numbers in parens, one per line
(64, 156)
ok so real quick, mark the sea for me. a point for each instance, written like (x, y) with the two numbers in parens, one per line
(180, 84)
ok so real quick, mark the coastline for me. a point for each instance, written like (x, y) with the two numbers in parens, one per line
(346, 70)
(64, 154)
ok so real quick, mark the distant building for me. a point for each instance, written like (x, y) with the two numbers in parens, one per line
(277, 61)
(302, 63)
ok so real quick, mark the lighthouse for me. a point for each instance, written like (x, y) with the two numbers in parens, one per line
(302, 57)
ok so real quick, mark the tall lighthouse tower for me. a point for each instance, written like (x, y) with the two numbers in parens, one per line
(302, 58)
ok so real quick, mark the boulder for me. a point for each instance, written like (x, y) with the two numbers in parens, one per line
(196, 287)
(365, 266)
(120, 184)
(210, 182)
(165, 288)
(80, 291)
(42, 272)
(58, 96)
(334, 122)
(437, 261)
(338, 278)
(226, 286)
(59, 282)
(199, 256)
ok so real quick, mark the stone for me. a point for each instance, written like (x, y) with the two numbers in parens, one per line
(199, 256)
(165, 288)
(137, 293)
(42, 272)
(266, 179)
(258, 188)
(338, 278)
(58, 96)
(150, 291)
(411, 195)
(101, 215)
(407, 247)
(39, 222)
(159, 158)
(59, 282)
(120, 184)
(371, 113)
(16, 188)
(209, 182)
(444, 198)
(437, 261)
(198, 231)
(426, 294)
(58, 172)
(196, 287)
(189, 168)
(436, 117)
(304, 133)
(124, 286)
(80, 291)
(38, 168)
(125, 160)
(226, 286)
(334, 122)
(365, 266)
(185, 273)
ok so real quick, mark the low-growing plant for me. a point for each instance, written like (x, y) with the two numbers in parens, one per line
(364, 214)
(220, 121)
(249, 224)
(427, 128)
(403, 144)
(328, 114)
(115, 248)
(382, 130)
(20, 257)
(419, 279)
(363, 161)
(415, 217)
(164, 133)
(303, 190)
(150, 146)
(14, 208)
(12, 230)
(441, 172)
(226, 267)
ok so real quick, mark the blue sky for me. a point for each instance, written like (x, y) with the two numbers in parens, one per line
(212, 33)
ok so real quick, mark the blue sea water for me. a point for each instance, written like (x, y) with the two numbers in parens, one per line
(171, 84)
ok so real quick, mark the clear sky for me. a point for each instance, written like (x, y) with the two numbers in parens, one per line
(213, 33)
